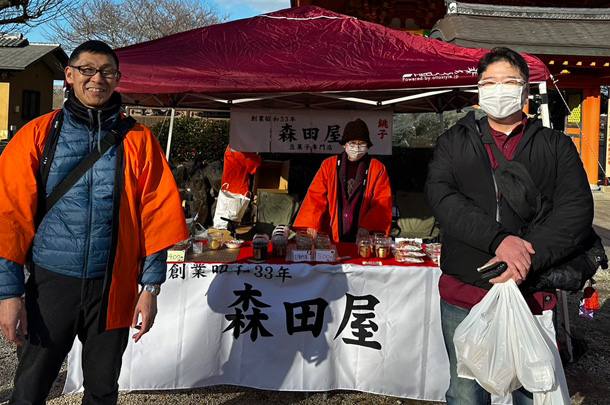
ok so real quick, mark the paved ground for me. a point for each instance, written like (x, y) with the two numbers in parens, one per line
(587, 378)
(601, 222)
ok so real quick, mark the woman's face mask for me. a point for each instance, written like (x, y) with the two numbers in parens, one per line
(355, 151)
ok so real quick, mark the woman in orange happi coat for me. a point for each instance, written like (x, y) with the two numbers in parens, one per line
(350, 195)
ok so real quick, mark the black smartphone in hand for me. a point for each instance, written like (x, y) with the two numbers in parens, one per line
(492, 270)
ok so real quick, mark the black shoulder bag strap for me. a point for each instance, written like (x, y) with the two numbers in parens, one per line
(514, 180)
(113, 137)
(50, 146)
(45, 163)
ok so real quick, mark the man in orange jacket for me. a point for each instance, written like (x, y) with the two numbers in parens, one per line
(94, 247)
(350, 194)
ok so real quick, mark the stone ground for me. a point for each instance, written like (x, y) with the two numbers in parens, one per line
(588, 377)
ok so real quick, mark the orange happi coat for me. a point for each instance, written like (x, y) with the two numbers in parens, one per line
(320, 209)
(238, 166)
(150, 214)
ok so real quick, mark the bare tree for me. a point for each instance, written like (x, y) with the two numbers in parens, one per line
(14, 14)
(126, 22)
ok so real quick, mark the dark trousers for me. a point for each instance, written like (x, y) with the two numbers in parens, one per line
(59, 308)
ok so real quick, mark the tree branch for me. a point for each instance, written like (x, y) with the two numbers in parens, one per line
(126, 22)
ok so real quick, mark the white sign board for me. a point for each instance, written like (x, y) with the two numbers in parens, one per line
(294, 327)
(305, 131)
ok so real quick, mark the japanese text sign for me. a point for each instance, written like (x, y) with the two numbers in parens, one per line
(305, 131)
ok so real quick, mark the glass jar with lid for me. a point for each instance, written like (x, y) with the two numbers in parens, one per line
(382, 246)
(365, 247)
(260, 246)
(279, 242)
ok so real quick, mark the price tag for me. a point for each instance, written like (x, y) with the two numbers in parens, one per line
(325, 255)
(301, 255)
(176, 255)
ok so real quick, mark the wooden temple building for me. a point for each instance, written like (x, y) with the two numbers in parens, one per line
(570, 36)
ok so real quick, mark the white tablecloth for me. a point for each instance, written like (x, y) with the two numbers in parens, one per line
(293, 328)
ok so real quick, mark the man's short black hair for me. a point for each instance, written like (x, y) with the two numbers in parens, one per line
(93, 46)
(503, 54)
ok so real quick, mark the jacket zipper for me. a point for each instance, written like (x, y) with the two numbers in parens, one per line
(498, 201)
(90, 210)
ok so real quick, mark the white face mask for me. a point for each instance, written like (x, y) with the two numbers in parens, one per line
(501, 102)
(355, 152)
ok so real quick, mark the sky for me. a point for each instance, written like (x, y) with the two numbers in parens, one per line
(237, 9)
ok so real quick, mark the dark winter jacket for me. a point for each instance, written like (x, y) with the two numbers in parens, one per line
(461, 192)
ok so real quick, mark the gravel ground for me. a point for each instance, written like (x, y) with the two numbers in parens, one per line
(588, 376)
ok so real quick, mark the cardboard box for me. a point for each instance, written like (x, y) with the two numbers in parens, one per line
(272, 176)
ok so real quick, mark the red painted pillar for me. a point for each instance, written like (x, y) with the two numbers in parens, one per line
(590, 132)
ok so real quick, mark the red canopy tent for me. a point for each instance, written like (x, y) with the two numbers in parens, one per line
(302, 57)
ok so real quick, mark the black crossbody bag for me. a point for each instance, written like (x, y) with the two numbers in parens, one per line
(522, 194)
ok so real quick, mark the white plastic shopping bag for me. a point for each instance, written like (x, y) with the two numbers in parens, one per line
(229, 205)
(534, 361)
(503, 346)
(482, 344)
(560, 394)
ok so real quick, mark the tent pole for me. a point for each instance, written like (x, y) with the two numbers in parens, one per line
(169, 136)
(546, 118)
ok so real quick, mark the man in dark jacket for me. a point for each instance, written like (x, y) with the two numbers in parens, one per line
(478, 226)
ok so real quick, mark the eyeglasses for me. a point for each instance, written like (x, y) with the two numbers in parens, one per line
(356, 143)
(489, 84)
(90, 71)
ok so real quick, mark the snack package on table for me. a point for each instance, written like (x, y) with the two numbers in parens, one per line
(408, 251)
(433, 250)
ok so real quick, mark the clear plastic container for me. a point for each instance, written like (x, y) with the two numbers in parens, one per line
(304, 240)
(322, 241)
(214, 240)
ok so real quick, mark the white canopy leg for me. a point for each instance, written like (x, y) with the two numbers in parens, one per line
(546, 118)
(169, 136)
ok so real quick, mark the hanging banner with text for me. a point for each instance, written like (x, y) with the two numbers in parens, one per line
(305, 131)
(293, 327)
